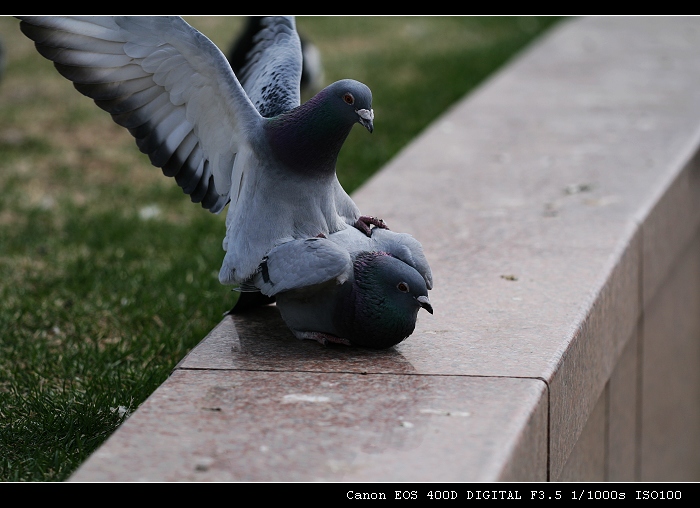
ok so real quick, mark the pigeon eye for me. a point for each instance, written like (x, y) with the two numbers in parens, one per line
(348, 98)
(403, 287)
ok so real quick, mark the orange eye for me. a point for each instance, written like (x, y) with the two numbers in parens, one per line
(403, 287)
(348, 98)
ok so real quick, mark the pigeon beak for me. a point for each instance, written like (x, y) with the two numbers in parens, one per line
(425, 303)
(366, 118)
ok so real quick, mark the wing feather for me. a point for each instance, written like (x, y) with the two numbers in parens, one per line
(302, 263)
(166, 83)
(399, 245)
(271, 72)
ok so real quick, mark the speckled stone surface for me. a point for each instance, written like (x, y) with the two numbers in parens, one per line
(623, 409)
(300, 426)
(552, 204)
(586, 462)
(670, 404)
(550, 172)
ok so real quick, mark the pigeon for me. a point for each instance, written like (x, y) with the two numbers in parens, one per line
(348, 288)
(243, 141)
(311, 69)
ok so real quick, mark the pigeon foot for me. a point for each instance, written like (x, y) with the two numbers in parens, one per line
(322, 338)
(365, 222)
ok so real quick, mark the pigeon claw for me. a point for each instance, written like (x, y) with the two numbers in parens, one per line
(365, 222)
(322, 338)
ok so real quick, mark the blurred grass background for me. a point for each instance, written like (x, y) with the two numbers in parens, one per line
(108, 273)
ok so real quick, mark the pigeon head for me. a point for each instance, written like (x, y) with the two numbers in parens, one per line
(353, 101)
(308, 138)
(388, 294)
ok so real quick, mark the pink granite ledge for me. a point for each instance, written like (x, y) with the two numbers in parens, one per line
(553, 204)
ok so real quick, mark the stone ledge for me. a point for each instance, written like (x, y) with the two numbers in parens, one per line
(559, 206)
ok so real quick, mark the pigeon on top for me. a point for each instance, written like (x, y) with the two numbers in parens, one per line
(348, 288)
(249, 143)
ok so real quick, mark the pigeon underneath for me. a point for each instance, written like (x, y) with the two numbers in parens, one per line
(348, 288)
(249, 143)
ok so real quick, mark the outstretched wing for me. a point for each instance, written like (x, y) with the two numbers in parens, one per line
(165, 82)
(302, 263)
(270, 59)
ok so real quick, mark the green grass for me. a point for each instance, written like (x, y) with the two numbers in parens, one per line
(98, 302)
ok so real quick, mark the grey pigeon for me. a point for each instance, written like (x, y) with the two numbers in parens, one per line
(248, 143)
(348, 288)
